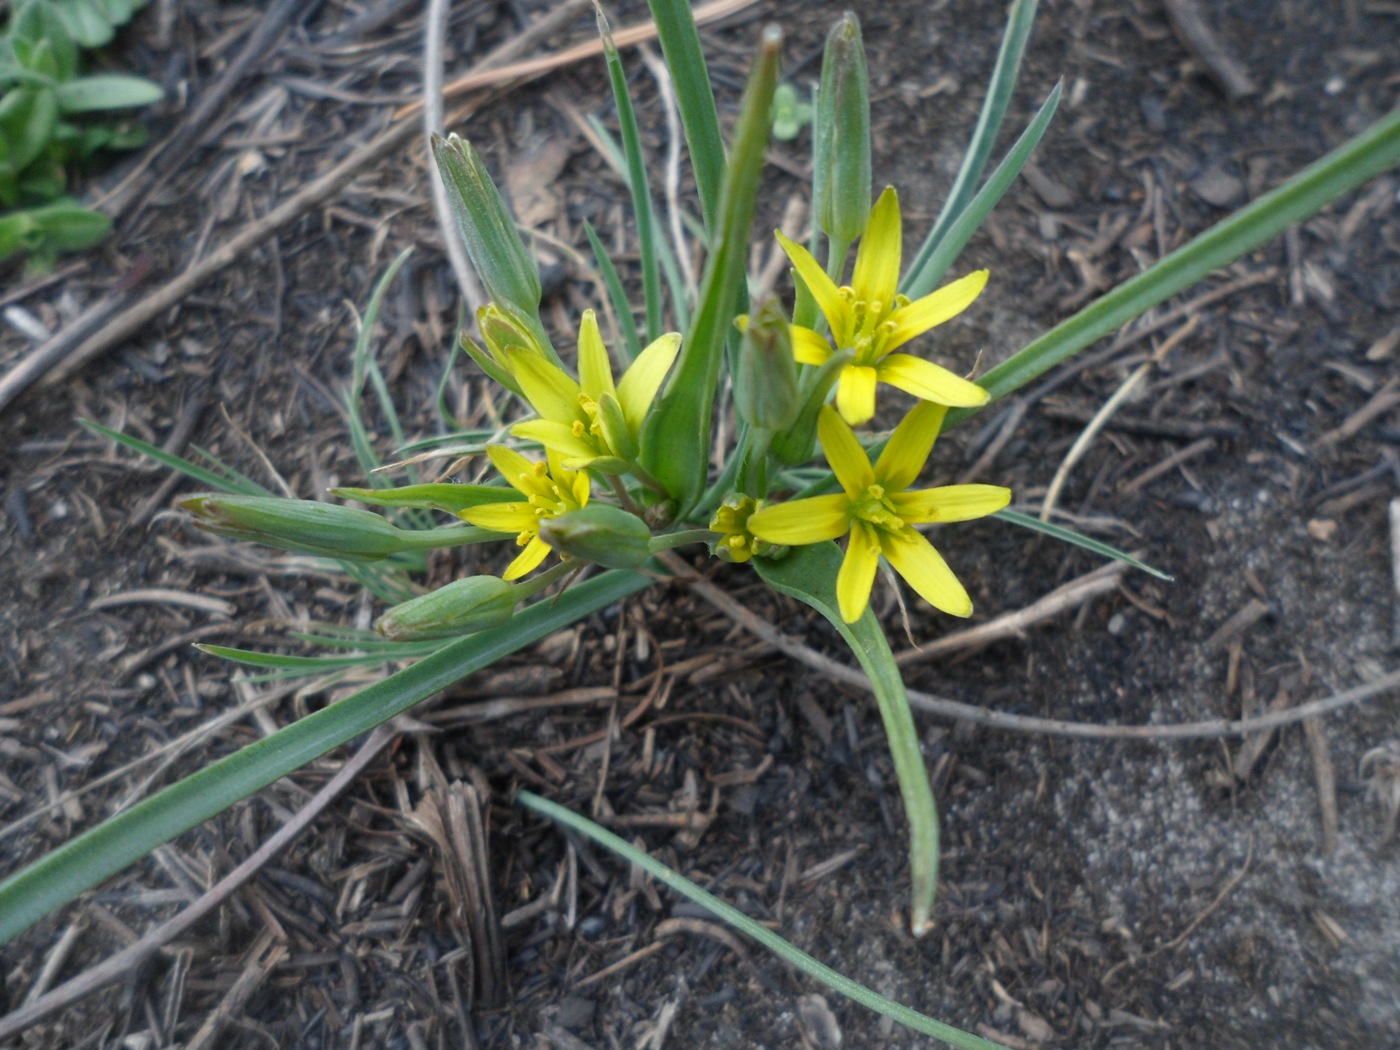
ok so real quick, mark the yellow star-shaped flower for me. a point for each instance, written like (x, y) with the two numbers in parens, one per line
(880, 514)
(871, 320)
(549, 491)
(591, 422)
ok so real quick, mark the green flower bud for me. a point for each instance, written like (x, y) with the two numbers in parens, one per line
(841, 136)
(461, 607)
(496, 250)
(305, 526)
(601, 533)
(765, 383)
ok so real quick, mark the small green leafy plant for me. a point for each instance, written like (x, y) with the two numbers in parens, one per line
(45, 124)
(616, 459)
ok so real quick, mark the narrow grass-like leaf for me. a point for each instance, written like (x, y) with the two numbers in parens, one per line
(636, 178)
(101, 852)
(313, 664)
(226, 480)
(928, 271)
(695, 98)
(1339, 172)
(363, 366)
(789, 953)
(1078, 539)
(809, 575)
(617, 295)
(999, 91)
(676, 440)
(665, 251)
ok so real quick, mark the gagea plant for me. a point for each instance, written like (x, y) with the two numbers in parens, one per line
(840, 390)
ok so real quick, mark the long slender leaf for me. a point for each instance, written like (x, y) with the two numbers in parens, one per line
(103, 851)
(637, 180)
(727, 912)
(676, 441)
(1078, 539)
(362, 367)
(617, 295)
(924, 277)
(680, 43)
(312, 664)
(999, 91)
(1339, 172)
(225, 481)
(809, 575)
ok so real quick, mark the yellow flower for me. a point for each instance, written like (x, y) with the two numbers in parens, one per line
(549, 491)
(592, 422)
(871, 320)
(880, 514)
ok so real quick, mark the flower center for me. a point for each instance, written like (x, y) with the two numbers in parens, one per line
(874, 506)
(868, 326)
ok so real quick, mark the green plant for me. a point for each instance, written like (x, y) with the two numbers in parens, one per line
(41, 134)
(625, 474)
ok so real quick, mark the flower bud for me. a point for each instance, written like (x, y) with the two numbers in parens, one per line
(601, 533)
(841, 136)
(460, 607)
(506, 269)
(305, 526)
(765, 383)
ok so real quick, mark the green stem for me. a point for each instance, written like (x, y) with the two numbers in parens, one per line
(449, 536)
(670, 540)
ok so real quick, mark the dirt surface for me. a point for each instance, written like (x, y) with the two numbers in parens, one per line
(1094, 893)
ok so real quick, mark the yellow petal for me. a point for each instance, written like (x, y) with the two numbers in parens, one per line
(857, 575)
(557, 437)
(510, 518)
(848, 460)
(950, 503)
(808, 347)
(594, 368)
(551, 392)
(515, 468)
(855, 394)
(824, 291)
(935, 308)
(909, 446)
(535, 552)
(929, 381)
(876, 277)
(803, 520)
(924, 569)
(643, 379)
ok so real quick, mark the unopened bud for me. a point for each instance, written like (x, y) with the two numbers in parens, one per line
(765, 384)
(600, 533)
(841, 136)
(506, 269)
(460, 607)
(305, 526)
(797, 443)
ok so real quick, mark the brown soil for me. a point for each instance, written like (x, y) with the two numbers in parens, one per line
(1094, 893)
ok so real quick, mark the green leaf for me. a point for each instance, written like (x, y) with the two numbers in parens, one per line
(440, 496)
(636, 178)
(67, 226)
(101, 852)
(298, 665)
(28, 120)
(925, 275)
(676, 438)
(1003, 83)
(762, 934)
(809, 575)
(1078, 539)
(225, 480)
(680, 44)
(1339, 172)
(617, 295)
(103, 91)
